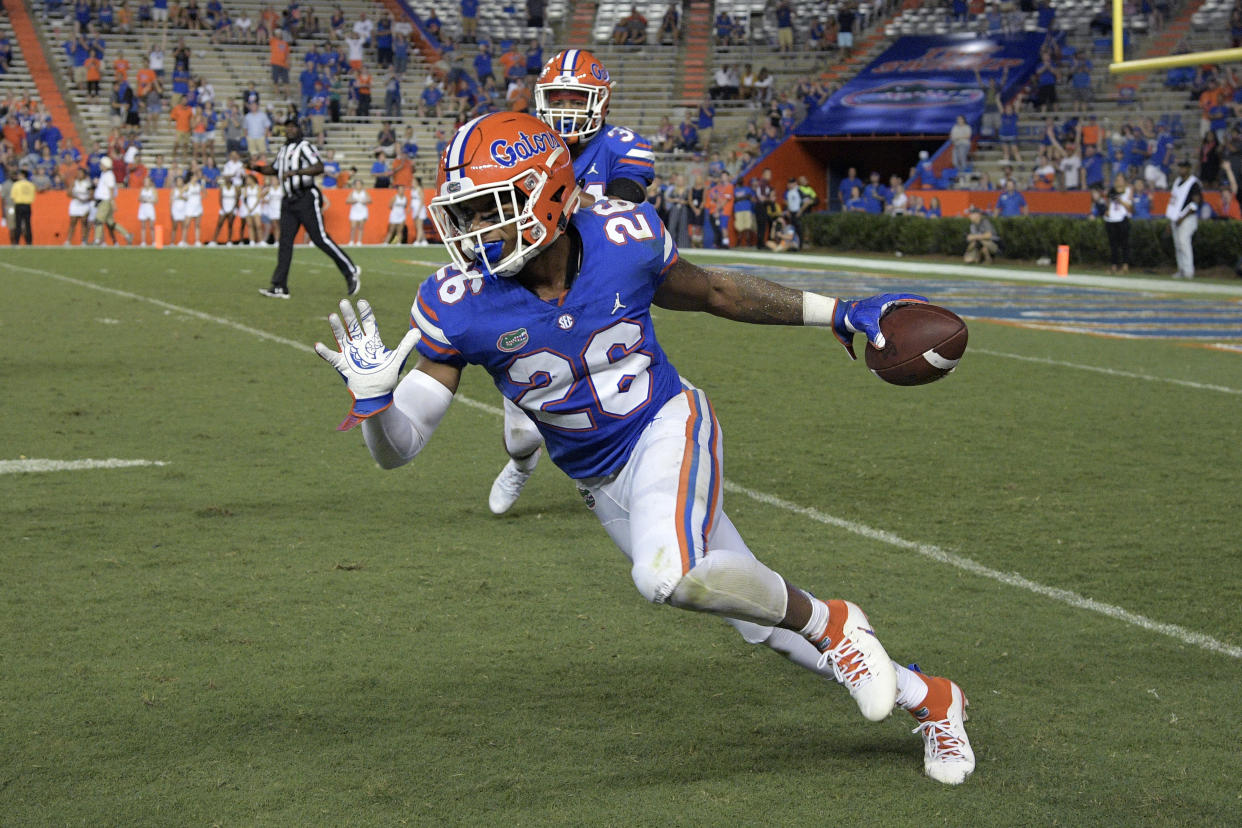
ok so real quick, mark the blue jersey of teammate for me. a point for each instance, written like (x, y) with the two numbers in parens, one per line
(614, 152)
(587, 368)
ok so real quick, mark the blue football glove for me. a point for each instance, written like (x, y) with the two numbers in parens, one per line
(370, 370)
(863, 316)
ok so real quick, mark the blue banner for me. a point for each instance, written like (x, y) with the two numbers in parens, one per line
(922, 83)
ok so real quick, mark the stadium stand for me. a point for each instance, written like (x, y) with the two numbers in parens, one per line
(1117, 102)
(662, 81)
(229, 67)
(16, 79)
(30, 97)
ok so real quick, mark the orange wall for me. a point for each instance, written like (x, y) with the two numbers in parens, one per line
(790, 160)
(50, 217)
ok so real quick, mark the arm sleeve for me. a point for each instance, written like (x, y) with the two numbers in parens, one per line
(398, 433)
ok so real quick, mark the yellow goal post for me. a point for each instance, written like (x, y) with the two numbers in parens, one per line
(1121, 66)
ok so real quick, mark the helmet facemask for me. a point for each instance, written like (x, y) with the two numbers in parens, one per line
(457, 209)
(578, 123)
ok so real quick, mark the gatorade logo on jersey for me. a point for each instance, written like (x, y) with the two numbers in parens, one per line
(526, 146)
(513, 340)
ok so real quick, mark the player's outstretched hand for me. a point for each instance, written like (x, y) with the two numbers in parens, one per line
(369, 369)
(863, 316)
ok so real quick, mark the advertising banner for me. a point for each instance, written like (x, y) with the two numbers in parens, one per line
(921, 83)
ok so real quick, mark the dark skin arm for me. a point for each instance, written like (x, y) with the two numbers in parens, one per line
(729, 294)
(626, 189)
(268, 169)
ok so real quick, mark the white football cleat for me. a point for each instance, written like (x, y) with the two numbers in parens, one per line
(858, 660)
(947, 756)
(508, 484)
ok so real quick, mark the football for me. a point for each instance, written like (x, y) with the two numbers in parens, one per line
(923, 343)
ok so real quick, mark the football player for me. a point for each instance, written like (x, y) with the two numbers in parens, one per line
(554, 300)
(572, 96)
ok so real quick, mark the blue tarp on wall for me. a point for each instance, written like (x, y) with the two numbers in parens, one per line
(922, 83)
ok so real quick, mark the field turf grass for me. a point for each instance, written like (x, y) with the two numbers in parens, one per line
(268, 630)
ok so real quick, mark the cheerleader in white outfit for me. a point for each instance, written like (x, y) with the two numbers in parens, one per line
(248, 209)
(228, 209)
(418, 211)
(80, 204)
(194, 207)
(358, 200)
(177, 207)
(396, 216)
(148, 196)
(271, 210)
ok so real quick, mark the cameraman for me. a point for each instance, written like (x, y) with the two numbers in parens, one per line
(1117, 214)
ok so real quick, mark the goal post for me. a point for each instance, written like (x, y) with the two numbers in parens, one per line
(1121, 66)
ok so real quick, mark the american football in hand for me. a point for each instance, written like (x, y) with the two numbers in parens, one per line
(924, 342)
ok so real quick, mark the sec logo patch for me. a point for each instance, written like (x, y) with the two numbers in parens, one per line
(565, 322)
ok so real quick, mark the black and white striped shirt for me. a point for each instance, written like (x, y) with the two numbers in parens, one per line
(291, 159)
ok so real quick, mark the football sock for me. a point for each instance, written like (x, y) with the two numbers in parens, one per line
(800, 651)
(911, 689)
(817, 626)
(788, 643)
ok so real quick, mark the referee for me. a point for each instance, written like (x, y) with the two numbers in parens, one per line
(22, 195)
(295, 166)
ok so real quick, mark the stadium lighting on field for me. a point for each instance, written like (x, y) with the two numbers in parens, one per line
(1122, 66)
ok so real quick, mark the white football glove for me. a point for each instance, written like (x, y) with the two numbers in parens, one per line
(369, 369)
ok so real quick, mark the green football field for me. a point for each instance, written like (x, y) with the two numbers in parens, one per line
(246, 622)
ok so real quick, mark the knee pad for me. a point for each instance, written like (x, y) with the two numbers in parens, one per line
(734, 585)
(521, 435)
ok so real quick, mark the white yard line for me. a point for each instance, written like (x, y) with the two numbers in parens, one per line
(934, 553)
(1112, 372)
(38, 465)
(1153, 284)
(125, 294)
(943, 556)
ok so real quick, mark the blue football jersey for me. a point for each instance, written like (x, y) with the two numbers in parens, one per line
(586, 368)
(614, 152)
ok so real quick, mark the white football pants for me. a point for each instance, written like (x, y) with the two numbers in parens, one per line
(521, 435)
(664, 511)
(1182, 246)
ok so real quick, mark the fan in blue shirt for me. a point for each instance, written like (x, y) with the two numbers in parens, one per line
(1011, 203)
(1140, 201)
(851, 180)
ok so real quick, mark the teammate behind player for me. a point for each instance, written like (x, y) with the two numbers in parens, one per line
(105, 204)
(572, 96)
(555, 303)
